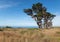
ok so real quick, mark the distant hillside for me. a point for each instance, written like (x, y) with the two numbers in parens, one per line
(29, 35)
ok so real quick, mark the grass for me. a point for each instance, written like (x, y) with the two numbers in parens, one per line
(58, 32)
(1, 29)
(22, 32)
(29, 35)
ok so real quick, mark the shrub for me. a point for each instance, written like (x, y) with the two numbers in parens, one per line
(1, 29)
(8, 27)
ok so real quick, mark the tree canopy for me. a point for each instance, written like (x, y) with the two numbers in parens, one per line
(39, 12)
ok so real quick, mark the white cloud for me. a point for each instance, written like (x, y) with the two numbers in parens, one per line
(5, 4)
(56, 21)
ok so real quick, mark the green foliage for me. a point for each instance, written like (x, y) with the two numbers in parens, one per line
(33, 29)
(8, 27)
(40, 13)
(28, 11)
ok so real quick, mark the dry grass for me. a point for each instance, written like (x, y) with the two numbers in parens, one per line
(29, 35)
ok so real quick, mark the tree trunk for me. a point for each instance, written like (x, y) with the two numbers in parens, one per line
(50, 23)
(45, 23)
(39, 24)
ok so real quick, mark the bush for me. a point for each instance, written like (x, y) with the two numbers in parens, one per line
(8, 27)
(1, 29)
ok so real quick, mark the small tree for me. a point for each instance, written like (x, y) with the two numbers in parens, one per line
(38, 12)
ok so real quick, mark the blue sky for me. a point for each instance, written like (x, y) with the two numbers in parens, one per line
(12, 14)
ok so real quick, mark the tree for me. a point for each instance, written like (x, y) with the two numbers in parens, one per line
(39, 13)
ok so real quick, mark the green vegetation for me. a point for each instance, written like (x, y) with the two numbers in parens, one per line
(39, 12)
(1, 29)
(33, 29)
(8, 27)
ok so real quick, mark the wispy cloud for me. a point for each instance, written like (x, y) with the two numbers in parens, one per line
(5, 4)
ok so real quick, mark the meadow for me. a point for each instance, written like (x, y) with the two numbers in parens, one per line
(29, 35)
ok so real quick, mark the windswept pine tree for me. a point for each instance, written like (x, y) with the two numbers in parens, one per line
(39, 13)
